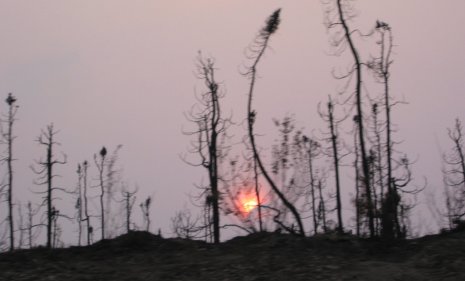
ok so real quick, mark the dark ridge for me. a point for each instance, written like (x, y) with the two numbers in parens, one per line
(140, 255)
(145, 241)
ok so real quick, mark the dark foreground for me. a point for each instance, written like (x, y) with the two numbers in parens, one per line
(266, 256)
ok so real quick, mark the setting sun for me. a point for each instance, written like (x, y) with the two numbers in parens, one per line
(249, 204)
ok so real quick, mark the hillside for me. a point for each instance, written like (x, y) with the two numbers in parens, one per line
(261, 256)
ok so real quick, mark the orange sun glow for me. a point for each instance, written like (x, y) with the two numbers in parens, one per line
(248, 204)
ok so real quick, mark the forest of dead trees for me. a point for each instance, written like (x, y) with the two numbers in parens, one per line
(295, 186)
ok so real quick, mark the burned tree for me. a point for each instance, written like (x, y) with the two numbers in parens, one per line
(256, 51)
(343, 38)
(8, 138)
(334, 153)
(312, 149)
(129, 198)
(184, 225)
(390, 174)
(29, 227)
(30, 224)
(283, 166)
(454, 174)
(145, 208)
(101, 164)
(78, 205)
(111, 180)
(45, 171)
(211, 126)
(107, 179)
(89, 229)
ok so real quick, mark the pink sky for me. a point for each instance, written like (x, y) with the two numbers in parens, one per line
(121, 72)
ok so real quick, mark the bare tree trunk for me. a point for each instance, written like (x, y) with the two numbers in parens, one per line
(127, 197)
(9, 138)
(454, 177)
(322, 207)
(211, 126)
(46, 138)
(340, 227)
(49, 192)
(79, 203)
(310, 153)
(358, 95)
(86, 207)
(264, 36)
(29, 228)
(257, 195)
(101, 166)
(357, 181)
(20, 227)
(378, 166)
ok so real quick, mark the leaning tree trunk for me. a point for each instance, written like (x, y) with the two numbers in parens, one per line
(358, 95)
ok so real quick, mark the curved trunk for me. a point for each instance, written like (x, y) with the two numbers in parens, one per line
(358, 95)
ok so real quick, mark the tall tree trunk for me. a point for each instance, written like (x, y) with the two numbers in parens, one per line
(312, 187)
(358, 95)
(340, 227)
(357, 181)
(257, 195)
(11, 115)
(49, 193)
(322, 208)
(264, 36)
(86, 207)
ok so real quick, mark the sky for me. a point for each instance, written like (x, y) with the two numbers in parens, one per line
(123, 72)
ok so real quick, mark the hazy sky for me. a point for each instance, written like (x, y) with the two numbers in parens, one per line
(122, 72)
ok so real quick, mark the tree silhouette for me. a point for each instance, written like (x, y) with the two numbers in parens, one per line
(257, 50)
(211, 126)
(79, 203)
(30, 224)
(89, 229)
(112, 178)
(389, 174)
(45, 171)
(334, 152)
(8, 138)
(145, 208)
(100, 164)
(343, 38)
(129, 198)
(184, 225)
(454, 174)
(312, 149)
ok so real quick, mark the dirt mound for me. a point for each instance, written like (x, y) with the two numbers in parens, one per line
(259, 256)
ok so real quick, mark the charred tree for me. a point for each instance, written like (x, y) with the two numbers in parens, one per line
(145, 208)
(89, 230)
(185, 226)
(454, 174)
(129, 198)
(284, 165)
(312, 149)
(335, 153)
(45, 171)
(101, 164)
(208, 145)
(358, 95)
(343, 40)
(78, 206)
(8, 139)
(258, 49)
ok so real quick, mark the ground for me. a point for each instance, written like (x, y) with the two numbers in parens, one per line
(260, 256)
